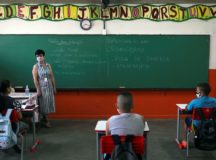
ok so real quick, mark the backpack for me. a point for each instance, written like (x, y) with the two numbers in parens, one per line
(205, 134)
(123, 151)
(7, 137)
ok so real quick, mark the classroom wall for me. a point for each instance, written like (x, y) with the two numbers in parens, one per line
(100, 104)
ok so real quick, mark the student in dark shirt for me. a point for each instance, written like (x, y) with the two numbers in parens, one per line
(7, 102)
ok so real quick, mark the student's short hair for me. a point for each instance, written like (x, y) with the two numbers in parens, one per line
(126, 106)
(205, 88)
(39, 51)
(5, 84)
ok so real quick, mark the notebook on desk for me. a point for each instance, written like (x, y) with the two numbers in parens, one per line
(26, 107)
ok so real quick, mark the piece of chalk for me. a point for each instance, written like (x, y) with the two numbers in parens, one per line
(122, 87)
(104, 32)
(18, 87)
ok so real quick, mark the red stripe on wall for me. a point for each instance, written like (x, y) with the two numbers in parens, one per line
(101, 104)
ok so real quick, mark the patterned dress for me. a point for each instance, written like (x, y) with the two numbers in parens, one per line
(46, 100)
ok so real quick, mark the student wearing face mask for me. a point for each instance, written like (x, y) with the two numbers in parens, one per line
(45, 84)
(202, 100)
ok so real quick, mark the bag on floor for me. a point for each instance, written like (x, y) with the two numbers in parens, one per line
(123, 151)
(7, 137)
(205, 134)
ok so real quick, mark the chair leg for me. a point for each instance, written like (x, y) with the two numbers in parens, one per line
(25, 144)
(188, 134)
(102, 157)
(145, 156)
(22, 136)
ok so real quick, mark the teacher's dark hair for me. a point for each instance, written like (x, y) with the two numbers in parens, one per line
(39, 51)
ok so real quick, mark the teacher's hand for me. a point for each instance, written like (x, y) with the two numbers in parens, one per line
(54, 91)
(39, 93)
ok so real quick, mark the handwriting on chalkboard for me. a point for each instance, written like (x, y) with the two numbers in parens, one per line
(133, 66)
(157, 59)
(76, 58)
(126, 49)
(61, 42)
(126, 41)
(69, 73)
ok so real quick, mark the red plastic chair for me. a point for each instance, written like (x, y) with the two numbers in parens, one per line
(138, 144)
(195, 116)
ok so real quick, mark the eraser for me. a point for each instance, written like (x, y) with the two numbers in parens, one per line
(18, 87)
(122, 87)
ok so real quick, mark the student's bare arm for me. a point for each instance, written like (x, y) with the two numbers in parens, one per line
(19, 115)
(107, 128)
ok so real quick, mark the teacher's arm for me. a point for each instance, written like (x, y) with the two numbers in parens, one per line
(52, 79)
(35, 78)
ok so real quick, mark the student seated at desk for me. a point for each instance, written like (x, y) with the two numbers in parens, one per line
(126, 123)
(202, 100)
(8, 102)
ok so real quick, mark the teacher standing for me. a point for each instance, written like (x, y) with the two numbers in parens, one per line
(45, 84)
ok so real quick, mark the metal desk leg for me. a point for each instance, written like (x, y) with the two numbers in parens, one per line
(98, 146)
(98, 136)
(34, 130)
(178, 126)
(146, 148)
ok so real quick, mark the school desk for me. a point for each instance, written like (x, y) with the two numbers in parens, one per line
(181, 109)
(30, 111)
(100, 131)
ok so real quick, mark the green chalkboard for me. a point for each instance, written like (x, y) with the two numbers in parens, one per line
(109, 62)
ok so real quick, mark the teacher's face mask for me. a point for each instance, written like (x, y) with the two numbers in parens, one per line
(40, 59)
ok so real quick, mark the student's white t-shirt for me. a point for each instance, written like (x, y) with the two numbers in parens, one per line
(126, 123)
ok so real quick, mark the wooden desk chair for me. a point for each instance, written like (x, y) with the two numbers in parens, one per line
(207, 112)
(107, 145)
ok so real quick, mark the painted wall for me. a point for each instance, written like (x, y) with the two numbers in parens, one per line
(100, 104)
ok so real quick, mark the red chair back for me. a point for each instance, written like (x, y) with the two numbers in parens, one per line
(107, 144)
(206, 111)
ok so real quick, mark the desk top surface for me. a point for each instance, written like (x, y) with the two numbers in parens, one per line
(182, 106)
(22, 95)
(101, 126)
